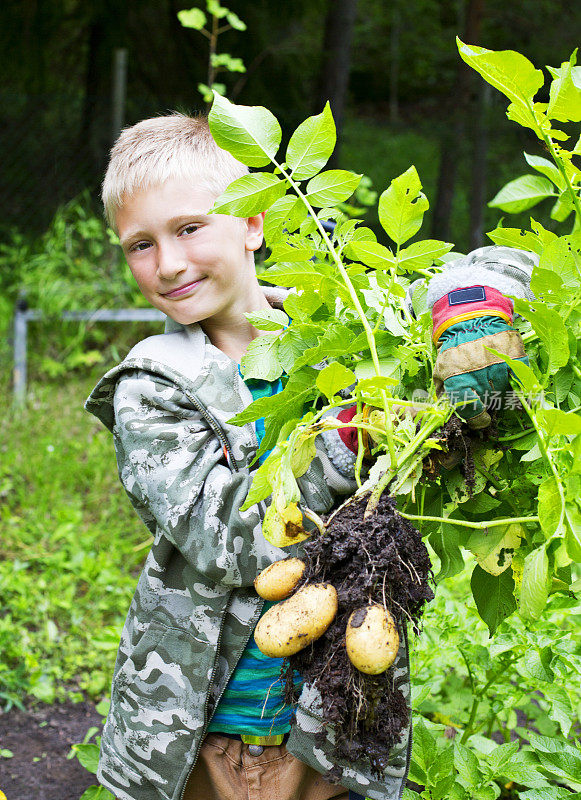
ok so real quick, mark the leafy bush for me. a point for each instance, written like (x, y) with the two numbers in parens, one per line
(75, 265)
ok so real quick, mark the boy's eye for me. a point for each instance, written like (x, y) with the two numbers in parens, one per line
(190, 229)
(138, 246)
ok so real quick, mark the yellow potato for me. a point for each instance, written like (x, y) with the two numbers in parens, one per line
(293, 624)
(371, 639)
(278, 580)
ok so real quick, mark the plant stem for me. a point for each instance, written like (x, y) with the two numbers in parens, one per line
(469, 730)
(464, 524)
(520, 435)
(563, 171)
(356, 303)
(545, 452)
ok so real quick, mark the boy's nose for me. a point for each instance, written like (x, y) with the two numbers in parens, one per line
(170, 262)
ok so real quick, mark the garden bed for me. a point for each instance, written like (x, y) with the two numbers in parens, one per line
(40, 740)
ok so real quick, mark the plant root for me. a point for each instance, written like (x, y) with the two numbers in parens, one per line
(380, 558)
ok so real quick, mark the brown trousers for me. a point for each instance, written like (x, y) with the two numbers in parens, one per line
(225, 770)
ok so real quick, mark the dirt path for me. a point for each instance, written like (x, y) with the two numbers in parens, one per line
(40, 740)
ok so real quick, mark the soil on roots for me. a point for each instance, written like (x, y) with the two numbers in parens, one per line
(379, 559)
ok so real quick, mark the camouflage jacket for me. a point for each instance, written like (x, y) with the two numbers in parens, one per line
(186, 472)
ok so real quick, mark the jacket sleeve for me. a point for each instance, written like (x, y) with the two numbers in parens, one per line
(172, 465)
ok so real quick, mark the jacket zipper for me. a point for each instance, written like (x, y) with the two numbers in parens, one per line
(214, 426)
(206, 721)
(223, 439)
(411, 734)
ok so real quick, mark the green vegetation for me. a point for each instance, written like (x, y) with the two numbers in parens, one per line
(221, 20)
(71, 549)
(488, 712)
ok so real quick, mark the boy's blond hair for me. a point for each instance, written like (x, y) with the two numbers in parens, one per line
(154, 150)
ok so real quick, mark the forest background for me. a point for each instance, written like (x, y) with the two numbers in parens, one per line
(390, 70)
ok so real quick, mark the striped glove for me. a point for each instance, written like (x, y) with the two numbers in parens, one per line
(470, 313)
(466, 322)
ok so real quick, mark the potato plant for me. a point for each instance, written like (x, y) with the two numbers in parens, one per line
(517, 493)
(348, 337)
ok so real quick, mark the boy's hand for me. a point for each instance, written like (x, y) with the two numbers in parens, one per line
(466, 322)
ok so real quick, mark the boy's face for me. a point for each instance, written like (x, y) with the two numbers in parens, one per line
(187, 263)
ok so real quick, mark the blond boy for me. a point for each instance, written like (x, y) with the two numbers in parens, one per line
(196, 712)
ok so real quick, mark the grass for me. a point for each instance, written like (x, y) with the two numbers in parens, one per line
(71, 547)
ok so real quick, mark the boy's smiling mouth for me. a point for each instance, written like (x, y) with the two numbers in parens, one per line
(182, 290)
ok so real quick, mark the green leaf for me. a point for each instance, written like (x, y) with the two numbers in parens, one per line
(549, 506)
(522, 193)
(402, 206)
(372, 254)
(534, 590)
(563, 766)
(494, 596)
(311, 145)
(508, 71)
(547, 285)
(550, 744)
(285, 251)
(388, 367)
(97, 793)
(297, 215)
(524, 374)
(261, 358)
(445, 541)
(215, 9)
(549, 793)
(275, 218)
(481, 504)
(424, 745)
(303, 453)
(268, 320)
(303, 275)
(501, 755)
(334, 377)
(331, 187)
(564, 96)
(563, 207)
(250, 133)
(550, 329)
(336, 340)
(560, 423)
(207, 92)
(563, 256)
(261, 486)
(88, 755)
(421, 255)
(235, 21)
(250, 195)
(227, 62)
(282, 407)
(302, 306)
(515, 237)
(525, 773)
(547, 168)
(192, 18)
(467, 765)
(561, 709)
(494, 547)
(487, 792)
(545, 236)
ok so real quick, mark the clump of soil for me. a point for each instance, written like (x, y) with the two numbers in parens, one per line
(379, 559)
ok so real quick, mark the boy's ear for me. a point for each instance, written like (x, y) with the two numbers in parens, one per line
(254, 231)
